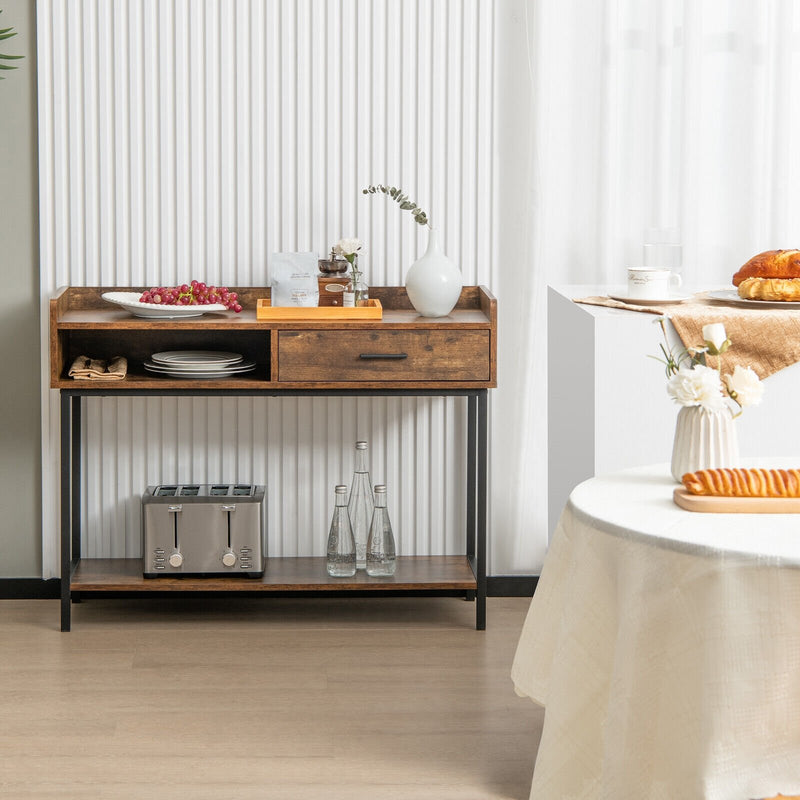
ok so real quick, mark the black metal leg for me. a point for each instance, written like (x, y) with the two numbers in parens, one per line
(480, 555)
(66, 511)
(75, 473)
(472, 411)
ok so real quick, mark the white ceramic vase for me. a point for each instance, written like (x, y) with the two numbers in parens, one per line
(433, 282)
(703, 440)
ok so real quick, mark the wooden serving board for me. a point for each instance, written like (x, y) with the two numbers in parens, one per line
(735, 505)
(266, 311)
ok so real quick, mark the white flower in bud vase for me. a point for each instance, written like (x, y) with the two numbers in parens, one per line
(697, 386)
(744, 386)
(347, 248)
(715, 338)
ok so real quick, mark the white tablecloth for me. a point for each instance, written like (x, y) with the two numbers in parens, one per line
(665, 647)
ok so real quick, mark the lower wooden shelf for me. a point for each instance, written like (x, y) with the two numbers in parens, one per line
(301, 574)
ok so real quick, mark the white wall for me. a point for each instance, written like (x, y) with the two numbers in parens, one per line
(182, 139)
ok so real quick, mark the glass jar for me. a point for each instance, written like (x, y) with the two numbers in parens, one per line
(356, 290)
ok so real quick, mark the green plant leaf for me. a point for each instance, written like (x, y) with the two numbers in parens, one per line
(7, 33)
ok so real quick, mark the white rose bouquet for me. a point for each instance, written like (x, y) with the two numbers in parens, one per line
(691, 382)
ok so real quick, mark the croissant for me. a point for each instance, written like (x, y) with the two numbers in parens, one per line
(744, 482)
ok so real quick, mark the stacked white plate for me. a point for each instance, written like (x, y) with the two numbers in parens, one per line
(198, 364)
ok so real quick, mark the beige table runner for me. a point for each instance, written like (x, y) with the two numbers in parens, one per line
(765, 339)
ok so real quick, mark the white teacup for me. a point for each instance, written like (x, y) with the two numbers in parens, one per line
(649, 283)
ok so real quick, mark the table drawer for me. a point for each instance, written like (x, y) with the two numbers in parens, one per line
(352, 356)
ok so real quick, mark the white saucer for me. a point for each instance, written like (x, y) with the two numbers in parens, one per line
(638, 301)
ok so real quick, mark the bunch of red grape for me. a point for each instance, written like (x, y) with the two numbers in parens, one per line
(194, 294)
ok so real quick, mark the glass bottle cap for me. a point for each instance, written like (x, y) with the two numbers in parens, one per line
(361, 445)
(380, 488)
(341, 489)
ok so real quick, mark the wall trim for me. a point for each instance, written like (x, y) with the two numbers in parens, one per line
(511, 585)
(29, 588)
(39, 589)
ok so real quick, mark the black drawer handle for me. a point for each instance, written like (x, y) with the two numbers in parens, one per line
(384, 355)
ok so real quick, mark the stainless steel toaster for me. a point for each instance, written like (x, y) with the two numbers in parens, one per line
(204, 530)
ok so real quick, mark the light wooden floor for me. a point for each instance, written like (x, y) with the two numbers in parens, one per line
(194, 699)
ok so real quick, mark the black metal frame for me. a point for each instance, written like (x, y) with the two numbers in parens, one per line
(477, 471)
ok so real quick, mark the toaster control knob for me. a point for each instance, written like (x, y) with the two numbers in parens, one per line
(229, 559)
(175, 560)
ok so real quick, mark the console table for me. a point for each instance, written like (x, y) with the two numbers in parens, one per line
(400, 354)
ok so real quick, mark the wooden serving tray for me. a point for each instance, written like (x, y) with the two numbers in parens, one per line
(735, 505)
(266, 311)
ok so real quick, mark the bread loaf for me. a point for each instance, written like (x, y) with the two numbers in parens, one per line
(744, 482)
(771, 264)
(782, 289)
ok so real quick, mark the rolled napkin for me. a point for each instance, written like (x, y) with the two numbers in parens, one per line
(96, 369)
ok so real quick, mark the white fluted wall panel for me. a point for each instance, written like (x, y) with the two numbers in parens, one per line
(193, 138)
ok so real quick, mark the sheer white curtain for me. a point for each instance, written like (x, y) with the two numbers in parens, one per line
(669, 119)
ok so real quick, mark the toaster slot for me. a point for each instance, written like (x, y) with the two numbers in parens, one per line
(228, 557)
(176, 558)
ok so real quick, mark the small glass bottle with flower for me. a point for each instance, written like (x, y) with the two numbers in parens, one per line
(356, 290)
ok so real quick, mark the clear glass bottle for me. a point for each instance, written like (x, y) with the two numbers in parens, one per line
(381, 552)
(361, 504)
(341, 545)
(356, 290)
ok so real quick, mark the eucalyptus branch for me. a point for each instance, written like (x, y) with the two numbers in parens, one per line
(420, 217)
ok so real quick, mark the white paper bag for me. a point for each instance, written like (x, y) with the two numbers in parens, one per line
(293, 279)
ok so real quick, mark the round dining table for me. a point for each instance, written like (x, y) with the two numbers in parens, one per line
(664, 645)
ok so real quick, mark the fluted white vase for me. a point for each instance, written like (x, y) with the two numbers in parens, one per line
(703, 440)
(433, 282)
